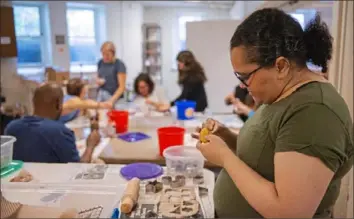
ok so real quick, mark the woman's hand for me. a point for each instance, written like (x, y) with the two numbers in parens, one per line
(215, 150)
(106, 105)
(148, 101)
(230, 99)
(241, 108)
(163, 107)
(212, 125)
(100, 81)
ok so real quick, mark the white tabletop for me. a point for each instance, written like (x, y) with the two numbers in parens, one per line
(70, 179)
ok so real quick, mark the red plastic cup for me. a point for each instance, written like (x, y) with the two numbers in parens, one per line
(170, 136)
(120, 118)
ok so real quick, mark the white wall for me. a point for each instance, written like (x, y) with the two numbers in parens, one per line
(167, 18)
(132, 38)
(238, 10)
(59, 53)
(213, 52)
(251, 6)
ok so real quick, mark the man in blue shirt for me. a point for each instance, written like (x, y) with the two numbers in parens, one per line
(41, 138)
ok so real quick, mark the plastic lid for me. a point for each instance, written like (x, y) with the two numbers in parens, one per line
(141, 171)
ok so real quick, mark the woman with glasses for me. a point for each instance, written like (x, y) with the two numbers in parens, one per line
(291, 155)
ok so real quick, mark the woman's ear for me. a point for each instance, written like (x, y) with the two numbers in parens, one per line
(282, 66)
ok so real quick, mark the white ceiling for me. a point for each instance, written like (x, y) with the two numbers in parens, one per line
(206, 4)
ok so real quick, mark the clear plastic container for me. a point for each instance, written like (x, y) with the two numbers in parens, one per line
(7, 143)
(184, 160)
(98, 202)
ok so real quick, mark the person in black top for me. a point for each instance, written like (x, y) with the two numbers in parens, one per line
(191, 78)
(240, 93)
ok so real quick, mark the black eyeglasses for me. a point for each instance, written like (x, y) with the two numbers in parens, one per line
(244, 77)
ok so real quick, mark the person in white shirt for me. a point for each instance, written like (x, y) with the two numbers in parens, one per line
(148, 95)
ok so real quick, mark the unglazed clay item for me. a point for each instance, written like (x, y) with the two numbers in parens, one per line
(181, 179)
(203, 133)
(151, 214)
(166, 180)
(176, 184)
(202, 191)
(199, 179)
(153, 187)
(179, 203)
(23, 176)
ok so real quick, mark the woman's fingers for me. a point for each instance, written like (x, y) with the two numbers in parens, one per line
(195, 135)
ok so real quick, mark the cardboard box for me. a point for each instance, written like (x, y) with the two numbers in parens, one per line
(53, 75)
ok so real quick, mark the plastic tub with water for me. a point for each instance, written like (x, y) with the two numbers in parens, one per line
(184, 160)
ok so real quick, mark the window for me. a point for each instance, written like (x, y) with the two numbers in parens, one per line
(82, 36)
(29, 37)
(182, 28)
(300, 18)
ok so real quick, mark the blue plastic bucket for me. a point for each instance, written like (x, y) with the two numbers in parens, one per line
(185, 109)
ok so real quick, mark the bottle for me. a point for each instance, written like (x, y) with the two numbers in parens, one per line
(129, 93)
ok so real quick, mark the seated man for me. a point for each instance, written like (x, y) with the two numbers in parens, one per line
(41, 138)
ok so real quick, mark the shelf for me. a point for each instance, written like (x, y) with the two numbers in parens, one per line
(152, 49)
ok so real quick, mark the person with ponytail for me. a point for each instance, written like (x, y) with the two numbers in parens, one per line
(291, 155)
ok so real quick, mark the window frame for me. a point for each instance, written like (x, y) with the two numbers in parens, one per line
(42, 36)
(96, 12)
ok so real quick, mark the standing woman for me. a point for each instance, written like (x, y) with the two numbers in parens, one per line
(111, 75)
(191, 78)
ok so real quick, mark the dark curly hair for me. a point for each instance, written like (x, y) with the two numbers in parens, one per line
(270, 33)
(193, 70)
(147, 79)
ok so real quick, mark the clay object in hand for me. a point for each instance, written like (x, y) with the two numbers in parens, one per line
(94, 125)
(203, 133)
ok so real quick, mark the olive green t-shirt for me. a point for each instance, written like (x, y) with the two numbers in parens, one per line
(315, 121)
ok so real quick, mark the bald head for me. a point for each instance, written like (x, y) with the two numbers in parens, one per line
(48, 101)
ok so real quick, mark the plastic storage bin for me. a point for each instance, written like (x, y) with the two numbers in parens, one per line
(184, 160)
(7, 143)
